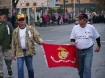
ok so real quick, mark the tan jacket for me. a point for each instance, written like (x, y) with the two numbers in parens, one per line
(30, 46)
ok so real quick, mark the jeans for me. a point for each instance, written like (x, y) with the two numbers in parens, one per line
(20, 66)
(85, 62)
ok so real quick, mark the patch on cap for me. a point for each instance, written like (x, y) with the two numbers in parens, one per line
(20, 16)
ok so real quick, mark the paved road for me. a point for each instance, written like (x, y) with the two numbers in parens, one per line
(60, 35)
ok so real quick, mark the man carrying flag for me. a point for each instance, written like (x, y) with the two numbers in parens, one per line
(81, 37)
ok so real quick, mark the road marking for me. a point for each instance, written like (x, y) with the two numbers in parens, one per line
(48, 40)
(102, 41)
(58, 28)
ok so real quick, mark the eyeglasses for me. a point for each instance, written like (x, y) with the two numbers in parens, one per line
(22, 19)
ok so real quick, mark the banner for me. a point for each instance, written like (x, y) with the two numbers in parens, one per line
(60, 55)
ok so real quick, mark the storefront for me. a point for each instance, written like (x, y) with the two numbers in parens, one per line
(7, 5)
(30, 8)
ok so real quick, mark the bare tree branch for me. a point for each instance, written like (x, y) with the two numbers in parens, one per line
(14, 3)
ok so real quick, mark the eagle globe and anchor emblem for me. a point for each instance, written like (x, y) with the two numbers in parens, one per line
(63, 54)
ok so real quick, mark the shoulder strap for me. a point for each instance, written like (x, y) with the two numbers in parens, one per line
(7, 26)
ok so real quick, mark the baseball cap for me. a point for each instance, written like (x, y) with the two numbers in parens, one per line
(19, 16)
(1, 12)
(83, 16)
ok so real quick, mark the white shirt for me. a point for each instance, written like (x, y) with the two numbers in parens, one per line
(22, 38)
(83, 36)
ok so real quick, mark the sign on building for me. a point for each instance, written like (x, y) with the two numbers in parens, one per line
(5, 4)
(54, 3)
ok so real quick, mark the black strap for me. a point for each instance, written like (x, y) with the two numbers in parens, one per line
(98, 42)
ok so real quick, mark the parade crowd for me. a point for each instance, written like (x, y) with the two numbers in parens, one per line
(59, 19)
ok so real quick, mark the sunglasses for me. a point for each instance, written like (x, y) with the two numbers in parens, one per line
(22, 19)
(0, 14)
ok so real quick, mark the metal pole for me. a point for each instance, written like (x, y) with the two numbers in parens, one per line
(42, 9)
(47, 5)
(64, 5)
(79, 5)
(74, 7)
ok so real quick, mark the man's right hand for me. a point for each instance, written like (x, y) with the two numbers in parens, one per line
(72, 43)
(13, 57)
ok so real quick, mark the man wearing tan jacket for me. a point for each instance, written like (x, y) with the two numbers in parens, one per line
(23, 47)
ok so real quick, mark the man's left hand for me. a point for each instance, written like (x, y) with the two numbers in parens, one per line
(97, 49)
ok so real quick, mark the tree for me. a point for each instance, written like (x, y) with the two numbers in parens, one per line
(14, 3)
(60, 10)
(100, 4)
(51, 10)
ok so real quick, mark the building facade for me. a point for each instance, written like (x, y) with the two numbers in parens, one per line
(83, 5)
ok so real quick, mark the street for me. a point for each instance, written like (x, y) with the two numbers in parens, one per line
(61, 35)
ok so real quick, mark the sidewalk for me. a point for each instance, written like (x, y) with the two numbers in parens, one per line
(55, 25)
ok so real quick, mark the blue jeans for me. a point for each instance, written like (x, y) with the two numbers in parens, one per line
(20, 65)
(85, 62)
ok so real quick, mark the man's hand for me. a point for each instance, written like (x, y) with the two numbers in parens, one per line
(72, 43)
(41, 41)
(13, 57)
(97, 49)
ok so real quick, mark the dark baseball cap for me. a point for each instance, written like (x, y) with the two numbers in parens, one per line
(83, 16)
(1, 12)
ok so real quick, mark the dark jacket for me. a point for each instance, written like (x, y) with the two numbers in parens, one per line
(7, 35)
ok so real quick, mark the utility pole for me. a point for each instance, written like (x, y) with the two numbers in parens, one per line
(72, 9)
(74, 6)
(64, 5)
(65, 1)
(47, 5)
(79, 1)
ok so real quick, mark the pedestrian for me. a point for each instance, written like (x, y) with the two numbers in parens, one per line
(9, 18)
(5, 42)
(13, 20)
(23, 47)
(40, 20)
(81, 37)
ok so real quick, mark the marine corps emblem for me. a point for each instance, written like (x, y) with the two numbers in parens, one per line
(63, 54)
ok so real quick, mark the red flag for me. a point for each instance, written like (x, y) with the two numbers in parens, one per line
(60, 55)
